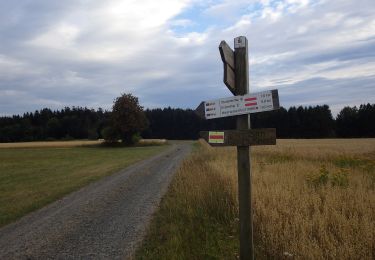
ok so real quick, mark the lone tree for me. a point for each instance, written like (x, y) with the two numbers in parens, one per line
(128, 118)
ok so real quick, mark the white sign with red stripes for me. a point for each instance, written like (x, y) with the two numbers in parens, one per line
(239, 105)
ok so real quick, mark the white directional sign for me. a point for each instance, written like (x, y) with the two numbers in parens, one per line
(239, 105)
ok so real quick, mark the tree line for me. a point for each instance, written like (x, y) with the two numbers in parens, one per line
(176, 123)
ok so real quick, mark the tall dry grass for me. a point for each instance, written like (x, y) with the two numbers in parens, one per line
(312, 199)
(315, 199)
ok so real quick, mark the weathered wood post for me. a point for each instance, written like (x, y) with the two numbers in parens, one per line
(243, 152)
(236, 78)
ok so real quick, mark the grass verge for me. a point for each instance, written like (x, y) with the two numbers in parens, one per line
(312, 199)
(33, 177)
(197, 217)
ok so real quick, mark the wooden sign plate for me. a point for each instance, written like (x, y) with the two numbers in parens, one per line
(227, 56)
(226, 53)
(239, 105)
(263, 136)
(229, 78)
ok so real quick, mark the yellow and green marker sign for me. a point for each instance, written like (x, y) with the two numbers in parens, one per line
(216, 137)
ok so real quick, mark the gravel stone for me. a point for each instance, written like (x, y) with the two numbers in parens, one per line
(104, 220)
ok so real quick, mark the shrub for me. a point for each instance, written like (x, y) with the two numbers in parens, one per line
(109, 134)
(135, 138)
(339, 178)
(322, 178)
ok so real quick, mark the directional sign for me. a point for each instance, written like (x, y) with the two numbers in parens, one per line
(227, 56)
(265, 136)
(226, 53)
(239, 105)
(229, 78)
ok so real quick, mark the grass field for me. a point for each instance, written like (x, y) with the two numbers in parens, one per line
(313, 199)
(32, 177)
(74, 143)
(52, 144)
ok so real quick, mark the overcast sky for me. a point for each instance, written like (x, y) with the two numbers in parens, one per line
(87, 52)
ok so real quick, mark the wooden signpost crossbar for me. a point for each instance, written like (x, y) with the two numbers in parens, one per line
(249, 137)
(236, 78)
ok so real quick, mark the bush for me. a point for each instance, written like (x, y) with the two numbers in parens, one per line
(135, 138)
(67, 138)
(322, 178)
(92, 134)
(109, 134)
(339, 178)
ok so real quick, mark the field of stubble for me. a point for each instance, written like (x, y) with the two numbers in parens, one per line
(312, 199)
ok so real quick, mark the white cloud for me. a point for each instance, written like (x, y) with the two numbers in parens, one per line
(60, 36)
(88, 52)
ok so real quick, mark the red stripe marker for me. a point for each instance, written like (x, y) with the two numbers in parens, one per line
(217, 136)
(250, 104)
(250, 99)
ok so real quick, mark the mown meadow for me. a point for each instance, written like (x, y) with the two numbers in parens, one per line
(35, 174)
(312, 199)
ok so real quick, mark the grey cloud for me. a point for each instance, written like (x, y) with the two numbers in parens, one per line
(335, 93)
(20, 20)
(164, 72)
(364, 50)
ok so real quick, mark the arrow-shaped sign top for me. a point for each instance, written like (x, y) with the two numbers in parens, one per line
(227, 56)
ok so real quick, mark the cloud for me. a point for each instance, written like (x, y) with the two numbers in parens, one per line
(87, 52)
(337, 93)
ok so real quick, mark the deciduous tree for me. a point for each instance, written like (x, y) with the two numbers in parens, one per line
(128, 117)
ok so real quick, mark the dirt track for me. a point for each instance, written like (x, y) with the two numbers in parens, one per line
(105, 220)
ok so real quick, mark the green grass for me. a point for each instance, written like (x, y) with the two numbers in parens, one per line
(33, 177)
(194, 223)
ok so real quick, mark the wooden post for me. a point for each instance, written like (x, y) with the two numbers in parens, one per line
(243, 152)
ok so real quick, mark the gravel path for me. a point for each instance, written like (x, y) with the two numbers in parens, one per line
(104, 220)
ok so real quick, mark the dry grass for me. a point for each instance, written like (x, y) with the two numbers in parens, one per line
(312, 199)
(51, 144)
(145, 142)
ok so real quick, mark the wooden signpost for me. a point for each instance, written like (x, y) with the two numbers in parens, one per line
(236, 78)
